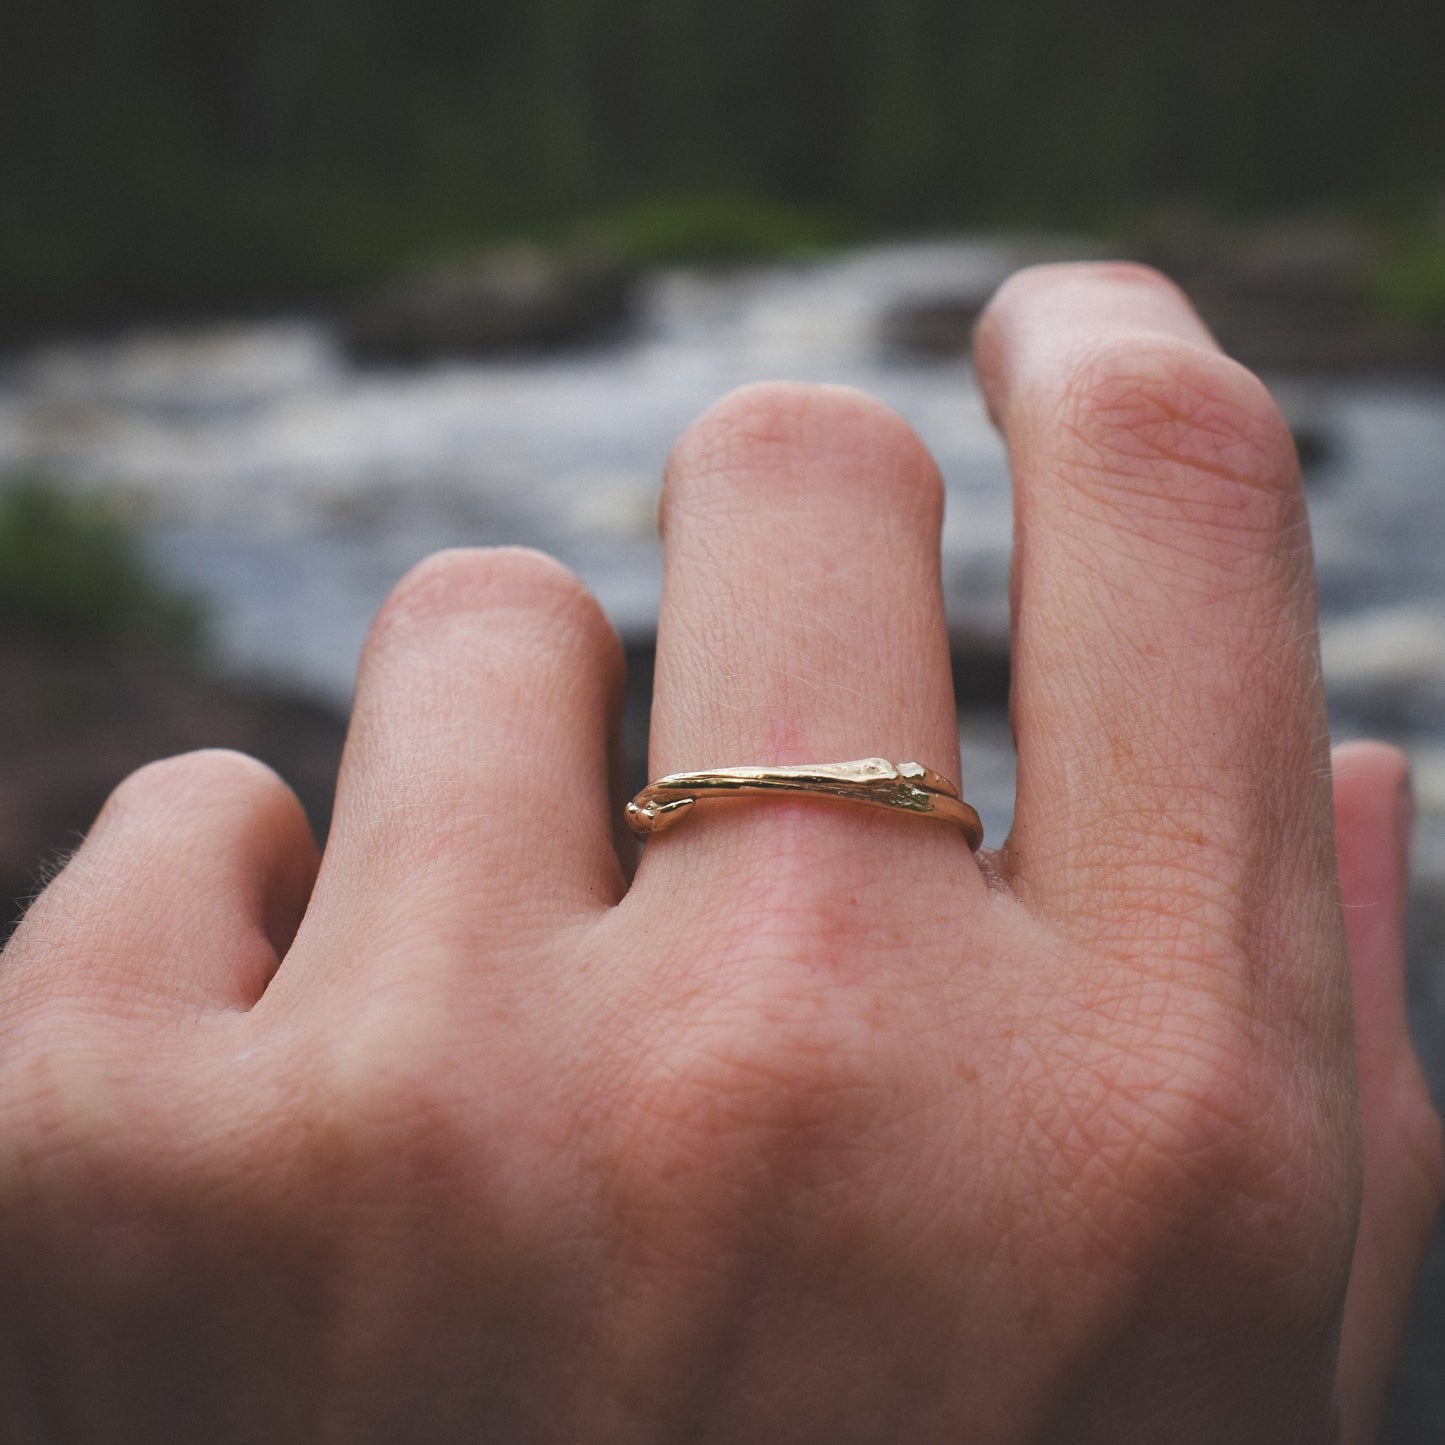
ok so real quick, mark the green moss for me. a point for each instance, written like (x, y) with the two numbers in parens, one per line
(72, 573)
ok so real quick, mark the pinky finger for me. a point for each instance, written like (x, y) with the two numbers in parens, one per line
(1402, 1141)
(188, 889)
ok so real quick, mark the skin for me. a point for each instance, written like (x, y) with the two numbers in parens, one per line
(818, 1128)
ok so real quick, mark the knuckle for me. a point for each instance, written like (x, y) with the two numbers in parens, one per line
(737, 1117)
(1035, 291)
(771, 440)
(467, 582)
(73, 1116)
(109, 1166)
(1192, 1139)
(1118, 273)
(1177, 433)
(394, 1098)
(204, 775)
(1030, 285)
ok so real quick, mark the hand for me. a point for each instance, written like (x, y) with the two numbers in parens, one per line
(821, 1129)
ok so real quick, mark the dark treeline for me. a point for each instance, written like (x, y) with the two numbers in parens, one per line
(171, 152)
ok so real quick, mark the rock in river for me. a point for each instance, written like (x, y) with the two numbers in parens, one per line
(524, 298)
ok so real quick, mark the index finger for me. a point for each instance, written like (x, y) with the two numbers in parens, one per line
(1173, 764)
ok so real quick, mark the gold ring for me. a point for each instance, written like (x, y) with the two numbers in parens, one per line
(875, 782)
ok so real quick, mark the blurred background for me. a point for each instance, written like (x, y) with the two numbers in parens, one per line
(294, 291)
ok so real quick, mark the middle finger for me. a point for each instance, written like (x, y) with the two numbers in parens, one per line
(802, 613)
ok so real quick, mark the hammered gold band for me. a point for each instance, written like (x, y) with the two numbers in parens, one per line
(874, 782)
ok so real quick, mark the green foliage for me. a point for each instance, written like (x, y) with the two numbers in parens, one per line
(1409, 286)
(72, 574)
(718, 227)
